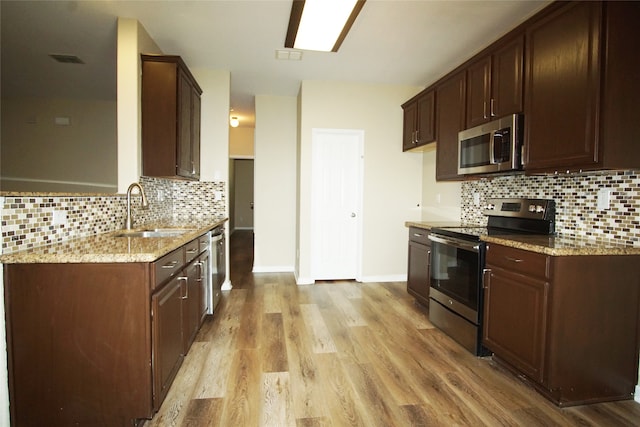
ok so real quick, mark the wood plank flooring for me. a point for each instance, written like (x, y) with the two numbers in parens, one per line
(346, 354)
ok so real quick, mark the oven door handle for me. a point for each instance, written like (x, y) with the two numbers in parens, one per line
(457, 243)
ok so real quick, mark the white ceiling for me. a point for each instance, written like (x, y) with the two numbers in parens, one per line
(392, 41)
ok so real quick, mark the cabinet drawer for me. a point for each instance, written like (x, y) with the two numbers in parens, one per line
(204, 241)
(192, 249)
(167, 266)
(419, 235)
(518, 261)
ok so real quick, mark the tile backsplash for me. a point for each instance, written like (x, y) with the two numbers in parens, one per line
(576, 202)
(28, 221)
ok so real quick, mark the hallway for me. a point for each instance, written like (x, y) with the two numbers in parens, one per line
(241, 259)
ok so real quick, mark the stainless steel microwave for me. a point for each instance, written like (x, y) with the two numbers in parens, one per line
(492, 147)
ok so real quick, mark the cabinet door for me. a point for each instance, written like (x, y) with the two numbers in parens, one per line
(479, 92)
(515, 313)
(185, 113)
(507, 79)
(167, 337)
(195, 134)
(450, 117)
(409, 126)
(562, 89)
(204, 280)
(191, 300)
(426, 118)
(418, 273)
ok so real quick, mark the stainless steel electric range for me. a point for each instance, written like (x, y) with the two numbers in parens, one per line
(457, 263)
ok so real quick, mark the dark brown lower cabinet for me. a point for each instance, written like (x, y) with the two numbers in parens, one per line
(418, 265)
(100, 344)
(569, 324)
(168, 347)
(192, 302)
(78, 344)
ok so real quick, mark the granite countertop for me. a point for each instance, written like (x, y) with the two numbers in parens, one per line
(558, 245)
(562, 245)
(108, 248)
(428, 225)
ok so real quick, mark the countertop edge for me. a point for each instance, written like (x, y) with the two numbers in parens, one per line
(594, 248)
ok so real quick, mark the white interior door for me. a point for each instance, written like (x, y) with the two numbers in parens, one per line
(336, 199)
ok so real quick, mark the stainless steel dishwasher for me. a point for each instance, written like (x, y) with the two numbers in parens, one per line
(218, 264)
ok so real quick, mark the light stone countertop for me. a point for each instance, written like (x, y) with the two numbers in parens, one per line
(428, 225)
(107, 248)
(558, 245)
(562, 245)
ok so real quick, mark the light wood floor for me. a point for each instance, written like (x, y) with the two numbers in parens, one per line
(347, 354)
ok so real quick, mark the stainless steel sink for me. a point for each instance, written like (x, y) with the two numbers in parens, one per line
(156, 232)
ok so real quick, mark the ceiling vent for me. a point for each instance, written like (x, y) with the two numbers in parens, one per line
(288, 55)
(67, 59)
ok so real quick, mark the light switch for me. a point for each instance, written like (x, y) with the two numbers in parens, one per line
(62, 121)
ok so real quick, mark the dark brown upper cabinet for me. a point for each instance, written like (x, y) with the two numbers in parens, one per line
(450, 118)
(419, 121)
(572, 69)
(580, 82)
(495, 82)
(170, 118)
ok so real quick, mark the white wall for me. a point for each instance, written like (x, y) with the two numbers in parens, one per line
(241, 141)
(275, 183)
(40, 155)
(392, 186)
(214, 130)
(441, 201)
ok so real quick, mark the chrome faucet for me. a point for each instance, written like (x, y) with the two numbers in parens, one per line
(128, 222)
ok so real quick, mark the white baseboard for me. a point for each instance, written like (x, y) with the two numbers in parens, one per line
(273, 269)
(386, 278)
(226, 285)
(636, 395)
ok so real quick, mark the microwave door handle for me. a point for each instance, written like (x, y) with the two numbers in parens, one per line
(492, 147)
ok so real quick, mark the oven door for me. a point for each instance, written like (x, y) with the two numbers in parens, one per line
(456, 274)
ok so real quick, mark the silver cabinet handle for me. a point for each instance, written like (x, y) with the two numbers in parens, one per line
(508, 258)
(170, 265)
(186, 287)
(491, 112)
(192, 251)
(199, 264)
(486, 275)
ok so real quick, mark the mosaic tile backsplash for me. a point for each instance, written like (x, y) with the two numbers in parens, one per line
(576, 202)
(29, 221)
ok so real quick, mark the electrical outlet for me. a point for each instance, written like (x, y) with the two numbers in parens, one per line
(476, 199)
(604, 199)
(59, 218)
(218, 195)
(160, 196)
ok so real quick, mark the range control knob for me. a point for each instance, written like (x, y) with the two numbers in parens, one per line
(539, 208)
(491, 207)
(532, 208)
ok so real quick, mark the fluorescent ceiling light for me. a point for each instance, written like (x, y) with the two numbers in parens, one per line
(321, 24)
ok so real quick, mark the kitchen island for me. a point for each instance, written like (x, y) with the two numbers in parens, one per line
(97, 327)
